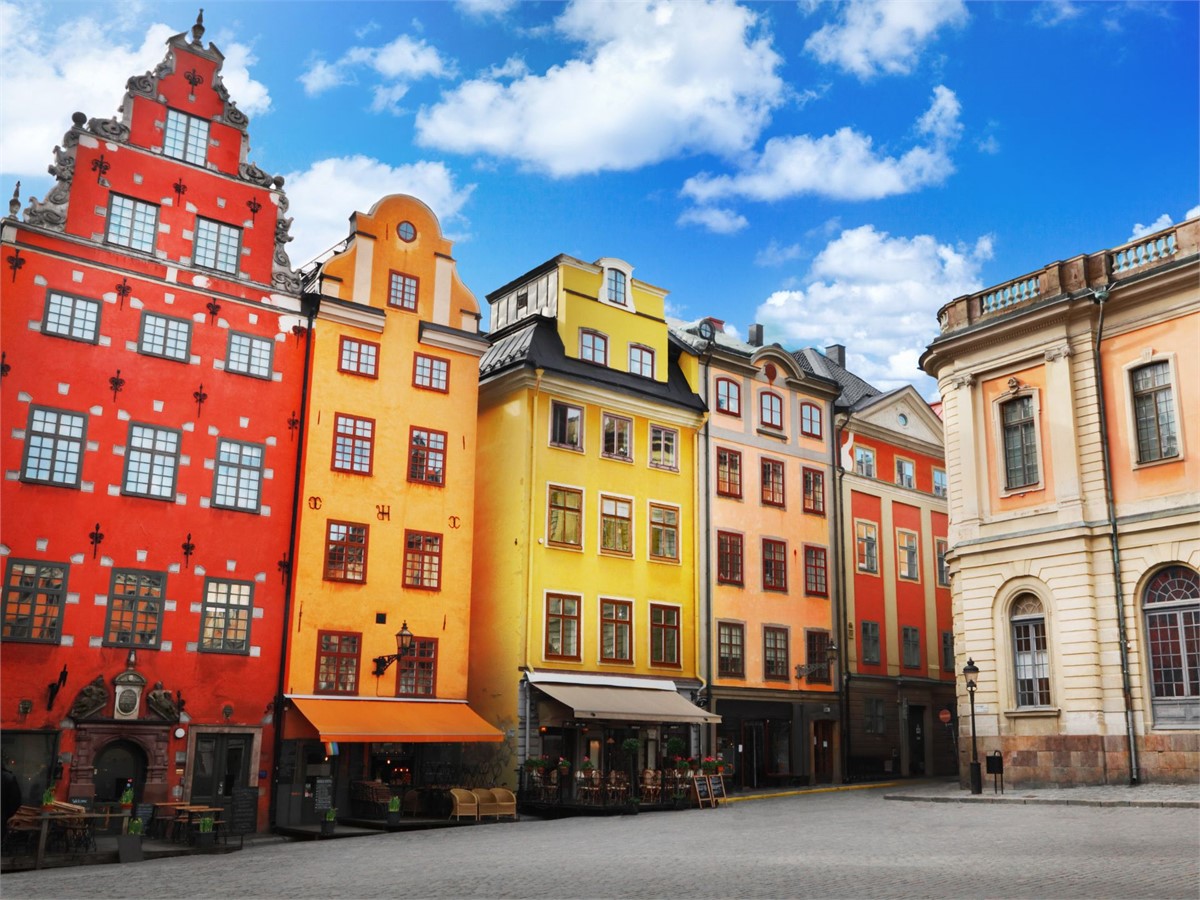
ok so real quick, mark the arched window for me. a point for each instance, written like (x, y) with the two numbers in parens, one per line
(616, 286)
(1171, 604)
(810, 419)
(729, 397)
(771, 410)
(1030, 656)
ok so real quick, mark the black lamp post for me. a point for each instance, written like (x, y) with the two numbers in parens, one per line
(826, 665)
(971, 672)
(404, 648)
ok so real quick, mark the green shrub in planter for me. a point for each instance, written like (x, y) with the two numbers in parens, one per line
(137, 827)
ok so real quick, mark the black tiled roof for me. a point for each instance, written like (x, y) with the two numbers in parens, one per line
(854, 389)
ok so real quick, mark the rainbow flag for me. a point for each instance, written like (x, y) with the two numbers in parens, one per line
(331, 748)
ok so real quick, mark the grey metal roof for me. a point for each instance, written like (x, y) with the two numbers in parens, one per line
(854, 389)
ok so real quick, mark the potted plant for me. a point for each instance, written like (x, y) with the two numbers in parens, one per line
(126, 800)
(48, 797)
(709, 765)
(535, 764)
(206, 837)
(329, 821)
(137, 826)
(675, 748)
(587, 765)
(129, 845)
(563, 766)
(393, 811)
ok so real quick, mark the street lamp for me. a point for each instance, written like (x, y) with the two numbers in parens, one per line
(971, 672)
(404, 648)
(826, 665)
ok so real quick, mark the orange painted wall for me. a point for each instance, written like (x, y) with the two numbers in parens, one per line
(992, 391)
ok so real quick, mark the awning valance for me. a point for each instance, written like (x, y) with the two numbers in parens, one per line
(421, 722)
(627, 704)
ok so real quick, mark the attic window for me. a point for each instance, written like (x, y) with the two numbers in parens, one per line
(522, 302)
(406, 232)
(616, 287)
(186, 138)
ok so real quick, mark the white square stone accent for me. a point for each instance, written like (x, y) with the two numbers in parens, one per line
(231, 565)
(158, 405)
(141, 555)
(73, 597)
(42, 544)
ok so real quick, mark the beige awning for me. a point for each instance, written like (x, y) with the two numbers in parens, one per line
(626, 704)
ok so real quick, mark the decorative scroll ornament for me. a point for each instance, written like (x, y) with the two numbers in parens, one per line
(14, 205)
(52, 212)
(252, 173)
(962, 381)
(109, 129)
(1056, 353)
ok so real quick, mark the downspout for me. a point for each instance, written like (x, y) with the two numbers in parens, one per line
(707, 616)
(843, 680)
(312, 302)
(1101, 297)
(537, 389)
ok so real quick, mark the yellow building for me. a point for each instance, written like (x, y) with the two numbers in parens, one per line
(384, 539)
(585, 622)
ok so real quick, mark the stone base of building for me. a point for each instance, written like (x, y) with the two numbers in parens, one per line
(1065, 760)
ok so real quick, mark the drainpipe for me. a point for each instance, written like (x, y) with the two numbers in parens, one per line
(529, 539)
(843, 675)
(311, 302)
(1101, 297)
(707, 615)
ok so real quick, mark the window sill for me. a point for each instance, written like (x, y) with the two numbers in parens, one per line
(778, 434)
(1034, 712)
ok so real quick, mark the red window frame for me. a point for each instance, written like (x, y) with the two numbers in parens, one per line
(416, 674)
(816, 571)
(729, 473)
(729, 397)
(664, 635)
(610, 619)
(816, 642)
(774, 568)
(643, 355)
(422, 560)
(563, 618)
(345, 555)
(358, 367)
(351, 434)
(597, 353)
(770, 410)
(615, 517)
(402, 290)
(810, 420)
(566, 512)
(427, 462)
(665, 527)
(772, 482)
(336, 663)
(729, 558)
(730, 650)
(775, 653)
(430, 381)
(814, 492)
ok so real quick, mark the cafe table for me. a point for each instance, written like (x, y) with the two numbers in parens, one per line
(187, 816)
(64, 815)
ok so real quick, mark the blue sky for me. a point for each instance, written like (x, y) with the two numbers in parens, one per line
(836, 171)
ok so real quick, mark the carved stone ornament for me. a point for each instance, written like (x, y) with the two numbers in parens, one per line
(52, 212)
(965, 380)
(162, 704)
(255, 175)
(90, 700)
(1014, 385)
(1056, 353)
(146, 85)
(109, 129)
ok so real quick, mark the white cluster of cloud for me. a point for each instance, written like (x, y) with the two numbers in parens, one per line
(879, 295)
(654, 81)
(876, 37)
(55, 66)
(399, 63)
(1163, 221)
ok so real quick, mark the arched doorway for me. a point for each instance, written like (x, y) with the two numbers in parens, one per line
(119, 765)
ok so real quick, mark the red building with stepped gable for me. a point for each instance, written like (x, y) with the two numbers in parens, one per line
(154, 347)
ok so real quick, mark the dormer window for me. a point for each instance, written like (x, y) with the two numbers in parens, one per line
(186, 138)
(616, 287)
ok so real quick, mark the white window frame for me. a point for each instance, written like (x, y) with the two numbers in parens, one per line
(903, 558)
(864, 459)
(945, 483)
(860, 538)
(668, 461)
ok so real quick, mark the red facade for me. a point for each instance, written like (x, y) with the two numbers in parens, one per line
(153, 361)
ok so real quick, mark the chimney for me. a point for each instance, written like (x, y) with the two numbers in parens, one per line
(756, 335)
(837, 352)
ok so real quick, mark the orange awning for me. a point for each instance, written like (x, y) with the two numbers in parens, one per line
(406, 721)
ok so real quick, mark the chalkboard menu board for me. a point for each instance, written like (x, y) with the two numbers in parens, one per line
(144, 811)
(716, 784)
(322, 794)
(700, 791)
(243, 815)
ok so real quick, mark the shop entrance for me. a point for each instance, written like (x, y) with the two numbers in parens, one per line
(222, 763)
(822, 754)
(119, 765)
(916, 740)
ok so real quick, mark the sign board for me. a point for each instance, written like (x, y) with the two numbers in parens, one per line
(945, 716)
(85, 802)
(322, 794)
(701, 791)
(243, 814)
(716, 784)
(144, 811)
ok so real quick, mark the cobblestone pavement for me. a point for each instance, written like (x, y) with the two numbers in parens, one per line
(817, 844)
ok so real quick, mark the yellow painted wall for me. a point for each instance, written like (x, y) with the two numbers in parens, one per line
(578, 308)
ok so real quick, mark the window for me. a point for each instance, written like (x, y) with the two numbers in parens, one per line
(866, 545)
(869, 635)
(641, 361)
(225, 616)
(864, 462)
(816, 643)
(906, 555)
(238, 482)
(943, 568)
(402, 291)
(164, 336)
(815, 572)
(151, 462)
(664, 532)
(249, 355)
(1154, 412)
(562, 626)
(729, 473)
(616, 631)
(34, 595)
(664, 635)
(729, 557)
(186, 138)
(731, 650)
(1171, 603)
(406, 231)
(564, 517)
(616, 525)
(947, 651)
(427, 456)
(593, 347)
(770, 410)
(618, 437)
(338, 662)
(135, 608)
(810, 420)
(218, 246)
(616, 287)
(358, 358)
(132, 223)
(566, 426)
(418, 671)
(54, 442)
(423, 560)
(346, 551)
(775, 653)
(814, 492)
(906, 473)
(729, 397)
(1031, 656)
(1020, 443)
(664, 444)
(72, 317)
(353, 444)
(911, 647)
(774, 565)
(431, 373)
(941, 487)
(873, 715)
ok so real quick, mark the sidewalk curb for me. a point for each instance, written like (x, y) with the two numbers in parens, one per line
(799, 792)
(1048, 801)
